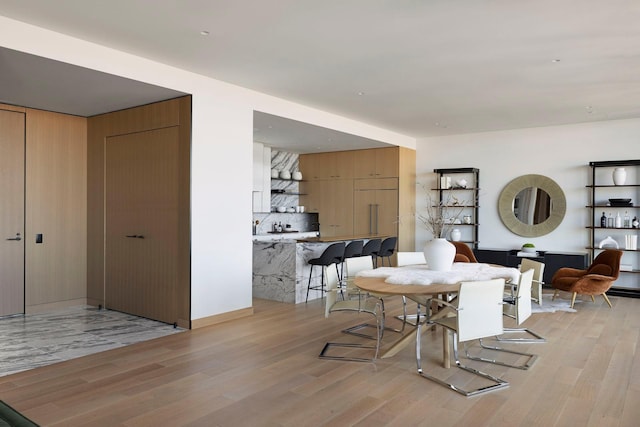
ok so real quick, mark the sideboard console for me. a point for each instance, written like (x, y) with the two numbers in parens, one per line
(553, 261)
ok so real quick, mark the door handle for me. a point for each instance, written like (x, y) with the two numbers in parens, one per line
(135, 236)
(17, 238)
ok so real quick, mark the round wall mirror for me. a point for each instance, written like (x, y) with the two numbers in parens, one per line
(532, 205)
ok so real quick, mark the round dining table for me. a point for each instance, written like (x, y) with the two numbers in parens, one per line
(381, 285)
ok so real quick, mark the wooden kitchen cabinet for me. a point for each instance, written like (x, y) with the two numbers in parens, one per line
(375, 206)
(332, 165)
(355, 185)
(333, 201)
(377, 163)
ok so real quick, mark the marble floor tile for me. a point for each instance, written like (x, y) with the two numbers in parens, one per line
(34, 340)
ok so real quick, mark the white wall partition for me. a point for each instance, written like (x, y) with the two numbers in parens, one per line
(560, 152)
(222, 165)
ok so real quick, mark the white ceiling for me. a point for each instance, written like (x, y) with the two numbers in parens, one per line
(417, 67)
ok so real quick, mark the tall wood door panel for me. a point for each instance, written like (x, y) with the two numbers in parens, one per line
(12, 162)
(141, 220)
(376, 212)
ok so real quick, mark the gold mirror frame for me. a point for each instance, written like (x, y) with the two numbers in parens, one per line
(558, 205)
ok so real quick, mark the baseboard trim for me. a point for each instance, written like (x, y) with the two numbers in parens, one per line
(52, 306)
(221, 318)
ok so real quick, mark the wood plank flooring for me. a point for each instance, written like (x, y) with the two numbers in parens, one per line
(264, 371)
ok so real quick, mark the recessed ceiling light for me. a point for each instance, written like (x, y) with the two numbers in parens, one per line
(204, 33)
(555, 60)
(360, 93)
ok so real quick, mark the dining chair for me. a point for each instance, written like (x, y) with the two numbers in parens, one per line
(518, 307)
(405, 259)
(478, 314)
(354, 266)
(536, 284)
(353, 249)
(362, 304)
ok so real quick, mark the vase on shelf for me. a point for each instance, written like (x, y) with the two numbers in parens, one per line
(439, 254)
(619, 176)
(456, 235)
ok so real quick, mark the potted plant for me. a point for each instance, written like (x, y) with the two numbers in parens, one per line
(528, 247)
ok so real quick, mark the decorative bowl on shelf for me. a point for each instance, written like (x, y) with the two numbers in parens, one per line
(285, 175)
(281, 209)
(297, 175)
(275, 173)
(620, 202)
(291, 210)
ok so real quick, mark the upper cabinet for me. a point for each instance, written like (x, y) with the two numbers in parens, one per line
(377, 163)
(332, 165)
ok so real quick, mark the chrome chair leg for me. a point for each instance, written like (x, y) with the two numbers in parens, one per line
(531, 358)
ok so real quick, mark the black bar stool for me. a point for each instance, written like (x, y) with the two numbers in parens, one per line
(387, 248)
(353, 249)
(371, 248)
(333, 254)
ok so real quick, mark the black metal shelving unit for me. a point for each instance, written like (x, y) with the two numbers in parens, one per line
(471, 205)
(598, 189)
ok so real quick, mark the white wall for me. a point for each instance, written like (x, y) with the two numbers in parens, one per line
(562, 153)
(222, 137)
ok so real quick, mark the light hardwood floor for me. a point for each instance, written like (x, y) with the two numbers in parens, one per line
(264, 371)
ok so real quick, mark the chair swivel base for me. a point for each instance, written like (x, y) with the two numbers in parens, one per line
(497, 382)
(328, 345)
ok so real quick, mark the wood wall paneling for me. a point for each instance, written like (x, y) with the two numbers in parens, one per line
(12, 154)
(176, 112)
(56, 208)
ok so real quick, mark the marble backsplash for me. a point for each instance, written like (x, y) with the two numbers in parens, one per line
(284, 193)
(298, 221)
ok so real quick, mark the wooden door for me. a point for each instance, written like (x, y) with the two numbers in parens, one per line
(141, 219)
(11, 212)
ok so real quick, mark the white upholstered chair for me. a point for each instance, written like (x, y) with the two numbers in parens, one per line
(362, 304)
(537, 282)
(478, 314)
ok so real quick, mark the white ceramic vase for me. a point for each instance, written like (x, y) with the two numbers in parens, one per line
(619, 176)
(439, 254)
(456, 235)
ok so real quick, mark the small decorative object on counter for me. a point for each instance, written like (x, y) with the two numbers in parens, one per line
(275, 173)
(603, 221)
(618, 220)
(619, 176)
(608, 242)
(297, 175)
(255, 227)
(634, 222)
(610, 222)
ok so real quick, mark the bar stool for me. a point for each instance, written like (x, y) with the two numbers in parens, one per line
(387, 248)
(353, 249)
(371, 248)
(333, 254)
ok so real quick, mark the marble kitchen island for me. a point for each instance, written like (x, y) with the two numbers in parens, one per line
(281, 267)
